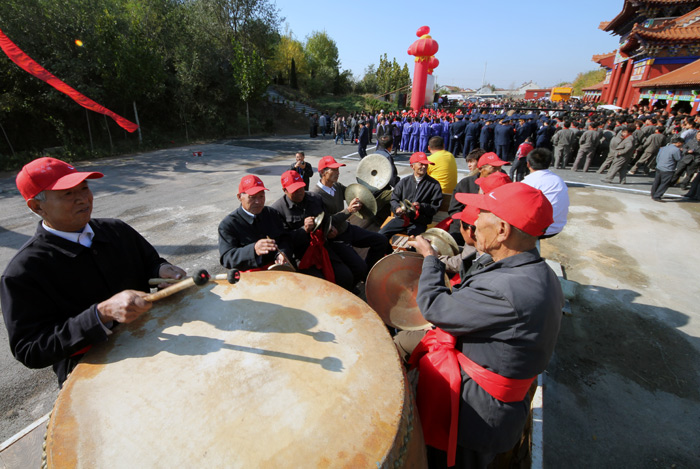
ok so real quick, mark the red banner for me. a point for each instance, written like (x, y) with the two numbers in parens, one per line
(27, 64)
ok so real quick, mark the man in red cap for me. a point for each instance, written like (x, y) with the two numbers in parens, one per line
(424, 194)
(333, 194)
(500, 324)
(76, 277)
(253, 237)
(298, 210)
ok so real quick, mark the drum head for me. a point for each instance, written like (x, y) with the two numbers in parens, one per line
(391, 290)
(278, 370)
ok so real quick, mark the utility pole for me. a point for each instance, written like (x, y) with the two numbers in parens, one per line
(483, 82)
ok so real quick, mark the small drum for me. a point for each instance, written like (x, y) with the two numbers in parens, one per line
(278, 370)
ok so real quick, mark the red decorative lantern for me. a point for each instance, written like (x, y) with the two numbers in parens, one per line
(423, 50)
(433, 63)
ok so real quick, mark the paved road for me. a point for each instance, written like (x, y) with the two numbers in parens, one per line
(623, 386)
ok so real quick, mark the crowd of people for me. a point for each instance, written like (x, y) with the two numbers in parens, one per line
(582, 138)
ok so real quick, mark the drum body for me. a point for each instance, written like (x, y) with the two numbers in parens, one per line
(279, 370)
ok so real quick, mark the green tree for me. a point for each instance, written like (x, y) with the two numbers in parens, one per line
(586, 79)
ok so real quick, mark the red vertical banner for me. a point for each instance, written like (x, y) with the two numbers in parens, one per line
(30, 66)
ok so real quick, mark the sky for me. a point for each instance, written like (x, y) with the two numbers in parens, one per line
(544, 41)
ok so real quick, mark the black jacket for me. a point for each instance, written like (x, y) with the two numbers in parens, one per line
(51, 288)
(427, 193)
(238, 234)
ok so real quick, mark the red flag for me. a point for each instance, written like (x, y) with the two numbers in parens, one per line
(27, 64)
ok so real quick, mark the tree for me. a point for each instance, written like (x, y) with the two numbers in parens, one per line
(249, 73)
(293, 76)
(287, 50)
(322, 51)
(584, 80)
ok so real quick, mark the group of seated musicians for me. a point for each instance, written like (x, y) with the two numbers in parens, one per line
(254, 237)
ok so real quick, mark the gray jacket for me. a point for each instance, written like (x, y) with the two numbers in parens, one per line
(589, 140)
(506, 318)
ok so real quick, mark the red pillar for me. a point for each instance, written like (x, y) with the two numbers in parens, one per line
(628, 85)
(614, 78)
(625, 84)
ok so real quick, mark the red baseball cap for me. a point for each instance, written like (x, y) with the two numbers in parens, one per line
(251, 185)
(328, 162)
(292, 181)
(49, 174)
(468, 215)
(492, 159)
(493, 181)
(518, 204)
(420, 157)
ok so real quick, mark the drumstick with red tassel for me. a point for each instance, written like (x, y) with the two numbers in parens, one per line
(200, 278)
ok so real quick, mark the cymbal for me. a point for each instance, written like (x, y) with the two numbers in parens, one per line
(318, 220)
(408, 206)
(369, 203)
(374, 172)
(282, 268)
(391, 290)
(441, 241)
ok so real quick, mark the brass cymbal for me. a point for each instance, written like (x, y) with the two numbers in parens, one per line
(374, 172)
(318, 220)
(369, 203)
(282, 268)
(442, 241)
(391, 290)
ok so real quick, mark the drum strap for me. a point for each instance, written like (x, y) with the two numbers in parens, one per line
(439, 386)
(316, 255)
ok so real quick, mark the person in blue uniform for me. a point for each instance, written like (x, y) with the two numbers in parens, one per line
(446, 124)
(503, 138)
(486, 136)
(457, 139)
(407, 130)
(415, 136)
(471, 135)
(424, 135)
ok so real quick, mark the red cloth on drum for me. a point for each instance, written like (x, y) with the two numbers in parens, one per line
(316, 255)
(455, 280)
(258, 269)
(445, 224)
(440, 382)
(82, 351)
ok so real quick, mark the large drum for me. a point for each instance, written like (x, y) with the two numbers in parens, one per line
(279, 370)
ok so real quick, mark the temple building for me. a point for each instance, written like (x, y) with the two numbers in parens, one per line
(655, 63)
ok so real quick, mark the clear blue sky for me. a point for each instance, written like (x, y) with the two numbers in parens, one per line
(546, 41)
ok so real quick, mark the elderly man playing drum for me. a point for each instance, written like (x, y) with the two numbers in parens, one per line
(252, 237)
(497, 328)
(76, 277)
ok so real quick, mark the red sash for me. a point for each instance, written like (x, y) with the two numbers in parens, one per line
(316, 255)
(439, 386)
(445, 224)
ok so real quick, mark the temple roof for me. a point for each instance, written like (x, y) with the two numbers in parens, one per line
(630, 8)
(683, 29)
(688, 75)
(596, 87)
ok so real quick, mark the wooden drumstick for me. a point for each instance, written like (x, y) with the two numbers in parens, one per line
(284, 256)
(200, 278)
(232, 276)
